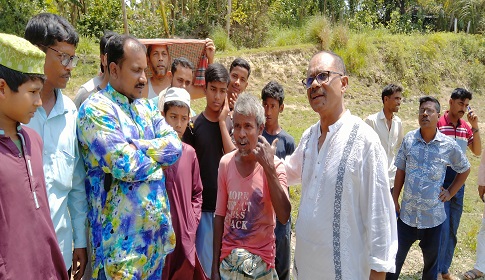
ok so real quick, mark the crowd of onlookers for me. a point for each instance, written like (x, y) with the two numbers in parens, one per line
(128, 182)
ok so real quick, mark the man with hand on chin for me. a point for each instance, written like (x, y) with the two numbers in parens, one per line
(252, 192)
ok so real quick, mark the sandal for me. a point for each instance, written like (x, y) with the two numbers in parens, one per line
(473, 274)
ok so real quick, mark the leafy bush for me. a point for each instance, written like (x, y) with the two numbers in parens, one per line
(278, 37)
(340, 37)
(318, 30)
(221, 40)
(101, 15)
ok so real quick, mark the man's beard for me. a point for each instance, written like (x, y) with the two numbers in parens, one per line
(159, 73)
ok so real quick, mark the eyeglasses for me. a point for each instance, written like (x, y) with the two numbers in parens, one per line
(66, 58)
(321, 78)
(428, 111)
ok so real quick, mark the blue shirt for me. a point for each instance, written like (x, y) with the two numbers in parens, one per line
(425, 167)
(64, 173)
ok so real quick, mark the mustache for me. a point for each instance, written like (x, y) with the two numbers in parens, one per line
(142, 85)
(318, 90)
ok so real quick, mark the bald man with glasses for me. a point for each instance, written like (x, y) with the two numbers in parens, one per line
(346, 226)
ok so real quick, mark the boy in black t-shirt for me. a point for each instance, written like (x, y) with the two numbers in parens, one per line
(273, 96)
(211, 139)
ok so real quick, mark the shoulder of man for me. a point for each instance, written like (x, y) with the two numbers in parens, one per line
(68, 103)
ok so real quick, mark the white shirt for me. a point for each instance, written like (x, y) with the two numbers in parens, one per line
(87, 89)
(64, 174)
(346, 223)
(391, 139)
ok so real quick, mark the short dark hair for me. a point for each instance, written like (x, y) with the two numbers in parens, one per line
(102, 45)
(241, 63)
(461, 93)
(390, 89)
(273, 90)
(216, 72)
(47, 29)
(115, 48)
(432, 99)
(184, 62)
(174, 103)
(15, 79)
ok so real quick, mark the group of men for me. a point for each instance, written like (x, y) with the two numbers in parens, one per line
(121, 171)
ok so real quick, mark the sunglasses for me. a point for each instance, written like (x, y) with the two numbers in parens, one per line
(321, 78)
(66, 58)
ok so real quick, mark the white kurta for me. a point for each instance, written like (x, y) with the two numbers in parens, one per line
(346, 223)
(391, 139)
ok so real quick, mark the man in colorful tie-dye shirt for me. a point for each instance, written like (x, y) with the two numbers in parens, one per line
(126, 144)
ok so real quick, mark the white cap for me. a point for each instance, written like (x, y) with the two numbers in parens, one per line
(177, 94)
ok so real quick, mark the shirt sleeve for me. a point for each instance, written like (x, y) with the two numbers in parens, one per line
(400, 135)
(294, 162)
(165, 148)
(481, 170)
(377, 210)
(370, 122)
(400, 161)
(77, 203)
(221, 204)
(196, 188)
(80, 97)
(100, 130)
(281, 173)
(459, 161)
(290, 145)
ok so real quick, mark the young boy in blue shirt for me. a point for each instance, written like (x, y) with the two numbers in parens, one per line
(273, 96)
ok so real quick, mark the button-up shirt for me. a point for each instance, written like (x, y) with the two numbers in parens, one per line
(391, 138)
(131, 230)
(425, 167)
(346, 225)
(64, 173)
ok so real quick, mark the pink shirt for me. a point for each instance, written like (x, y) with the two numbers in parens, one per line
(246, 205)
(28, 243)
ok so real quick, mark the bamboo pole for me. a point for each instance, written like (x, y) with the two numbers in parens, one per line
(125, 20)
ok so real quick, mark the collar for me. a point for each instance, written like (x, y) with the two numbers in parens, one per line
(116, 97)
(337, 125)
(438, 137)
(19, 128)
(382, 116)
(448, 122)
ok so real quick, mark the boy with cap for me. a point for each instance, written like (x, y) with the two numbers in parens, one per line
(28, 244)
(184, 189)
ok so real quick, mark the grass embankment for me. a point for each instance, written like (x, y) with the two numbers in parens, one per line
(430, 64)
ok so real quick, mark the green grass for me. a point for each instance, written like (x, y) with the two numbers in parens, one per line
(423, 64)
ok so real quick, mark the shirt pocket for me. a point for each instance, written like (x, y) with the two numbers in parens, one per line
(437, 169)
(63, 169)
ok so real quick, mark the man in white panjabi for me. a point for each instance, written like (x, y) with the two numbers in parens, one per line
(389, 126)
(346, 226)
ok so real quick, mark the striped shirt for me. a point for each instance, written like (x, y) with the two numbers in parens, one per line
(462, 133)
